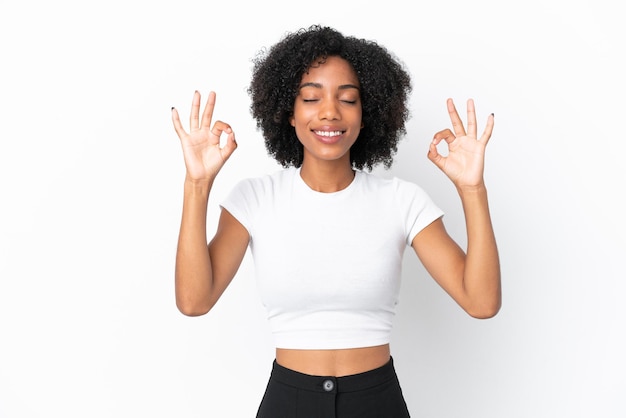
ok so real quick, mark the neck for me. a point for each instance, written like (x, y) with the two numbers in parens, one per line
(327, 176)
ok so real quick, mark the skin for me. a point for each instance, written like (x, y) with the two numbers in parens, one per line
(329, 101)
(327, 120)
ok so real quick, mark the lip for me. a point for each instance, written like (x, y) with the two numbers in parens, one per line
(328, 136)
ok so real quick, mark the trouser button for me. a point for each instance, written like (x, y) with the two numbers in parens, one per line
(328, 385)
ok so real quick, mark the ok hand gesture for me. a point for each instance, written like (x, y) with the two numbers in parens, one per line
(204, 157)
(464, 163)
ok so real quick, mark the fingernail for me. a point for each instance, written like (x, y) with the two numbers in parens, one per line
(172, 107)
(493, 115)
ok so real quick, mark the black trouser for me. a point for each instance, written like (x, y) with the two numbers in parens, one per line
(373, 394)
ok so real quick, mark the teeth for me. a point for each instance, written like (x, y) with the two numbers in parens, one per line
(328, 133)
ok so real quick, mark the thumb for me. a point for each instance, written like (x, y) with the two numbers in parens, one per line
(229, 147)
(434, 156)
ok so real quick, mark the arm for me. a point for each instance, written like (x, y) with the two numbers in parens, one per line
(204, 271)
(472, 279)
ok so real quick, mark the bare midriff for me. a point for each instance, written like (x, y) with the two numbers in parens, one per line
(334, 362)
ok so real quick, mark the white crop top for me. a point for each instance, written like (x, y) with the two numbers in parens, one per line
(328, 264)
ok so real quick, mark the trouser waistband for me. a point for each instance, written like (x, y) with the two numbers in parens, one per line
(351, 383)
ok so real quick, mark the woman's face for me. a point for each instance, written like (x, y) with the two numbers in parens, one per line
(327, 111)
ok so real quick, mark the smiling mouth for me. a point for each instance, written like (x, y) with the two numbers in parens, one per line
(329, 134)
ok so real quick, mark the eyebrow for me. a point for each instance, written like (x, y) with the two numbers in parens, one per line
(319, 86)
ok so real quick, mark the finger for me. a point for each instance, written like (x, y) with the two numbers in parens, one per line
(488, 129)
(457, 124)
(208, 111)
(194, 117)
(178, 127)
(471, 119)
(221, 127)
(446, 135)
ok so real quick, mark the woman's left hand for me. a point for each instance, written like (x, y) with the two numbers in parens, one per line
(464, 163)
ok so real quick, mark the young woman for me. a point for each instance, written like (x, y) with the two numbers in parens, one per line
(327, 236)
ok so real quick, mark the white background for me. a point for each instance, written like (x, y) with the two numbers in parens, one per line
(91, 178)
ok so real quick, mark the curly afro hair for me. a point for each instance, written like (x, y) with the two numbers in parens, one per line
(385, 86)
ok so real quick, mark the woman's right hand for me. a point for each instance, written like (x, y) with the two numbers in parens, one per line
(204, 157)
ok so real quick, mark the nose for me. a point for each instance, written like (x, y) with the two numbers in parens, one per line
(329, 110)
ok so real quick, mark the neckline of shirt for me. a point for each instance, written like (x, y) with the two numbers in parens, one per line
(322, 195)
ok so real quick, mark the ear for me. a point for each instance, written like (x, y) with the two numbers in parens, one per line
(292, 121)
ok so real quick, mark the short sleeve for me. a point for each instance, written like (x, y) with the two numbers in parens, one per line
(241, 203)
(418, 209)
